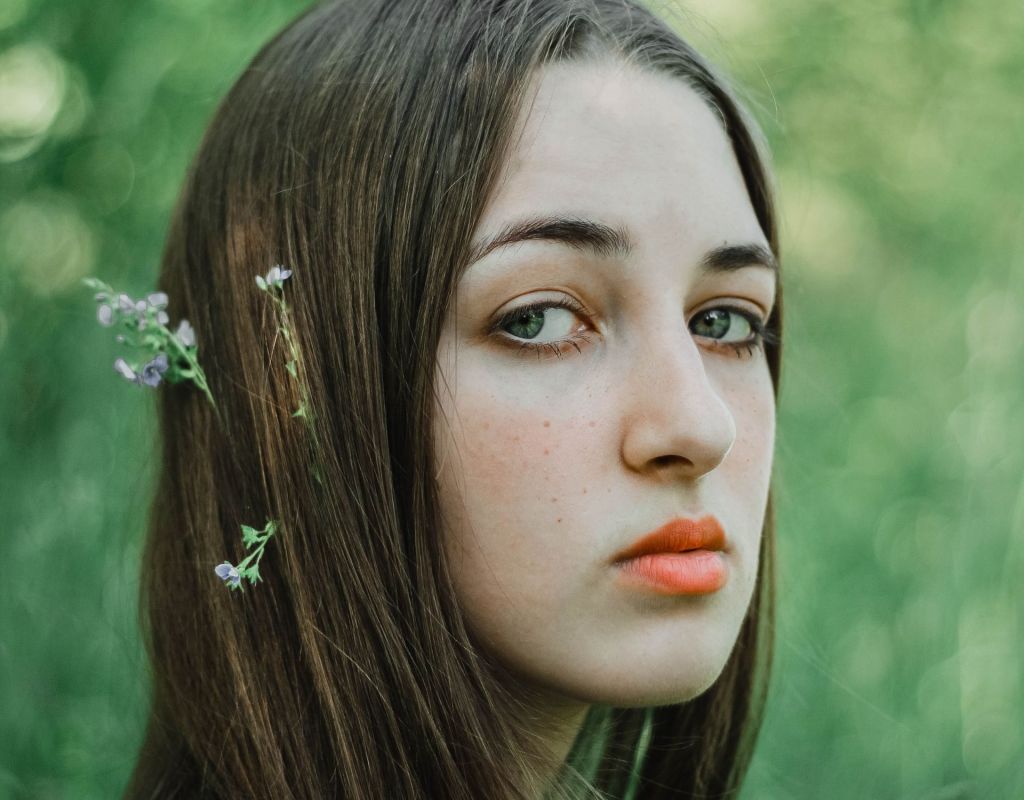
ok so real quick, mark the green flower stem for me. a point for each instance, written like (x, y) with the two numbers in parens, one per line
(195, 372)
(257, 554)
(294, 366)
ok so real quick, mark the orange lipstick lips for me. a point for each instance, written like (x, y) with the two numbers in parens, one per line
(683, 556)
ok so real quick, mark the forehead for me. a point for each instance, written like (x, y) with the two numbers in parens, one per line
(642, 149)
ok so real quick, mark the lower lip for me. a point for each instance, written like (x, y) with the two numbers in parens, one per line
(692, 572)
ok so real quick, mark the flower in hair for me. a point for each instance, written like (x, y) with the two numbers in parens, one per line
(249, 567)
(166, 355)
(275, 278)
(273, 284)
(171, 356)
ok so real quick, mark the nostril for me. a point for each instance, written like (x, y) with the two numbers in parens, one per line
(668, 460)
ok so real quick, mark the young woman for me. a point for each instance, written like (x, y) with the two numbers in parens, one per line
(525, 542)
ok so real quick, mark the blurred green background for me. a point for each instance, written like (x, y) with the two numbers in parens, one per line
(898, 133)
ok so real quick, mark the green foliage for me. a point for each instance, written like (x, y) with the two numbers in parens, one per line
(896, 129)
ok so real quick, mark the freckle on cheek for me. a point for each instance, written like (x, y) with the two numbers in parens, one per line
(545, 451)
(547, 423)
(592, 423)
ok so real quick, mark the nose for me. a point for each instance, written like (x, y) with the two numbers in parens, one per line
(675, 421)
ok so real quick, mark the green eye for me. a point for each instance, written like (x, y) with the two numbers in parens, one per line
(520, 325)
(718, 322)
(527, 323)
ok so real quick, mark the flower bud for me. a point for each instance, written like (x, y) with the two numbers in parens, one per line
(121, 366)
(185, 334)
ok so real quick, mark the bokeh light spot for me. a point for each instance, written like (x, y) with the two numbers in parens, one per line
(46, 243)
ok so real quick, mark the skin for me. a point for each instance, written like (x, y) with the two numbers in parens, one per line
(548, 465)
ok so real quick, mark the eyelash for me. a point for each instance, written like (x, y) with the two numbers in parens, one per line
(761, 335)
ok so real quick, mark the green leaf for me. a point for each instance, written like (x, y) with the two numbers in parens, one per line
(261, 283)
(291, 368)
(250, 536)
(301, 412)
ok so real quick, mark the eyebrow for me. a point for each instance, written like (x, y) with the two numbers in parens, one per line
(608, 241)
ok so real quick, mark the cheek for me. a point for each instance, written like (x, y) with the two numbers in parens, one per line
(755, 429)
(515, 448)
(499, 469)
(747, 469)
(511, 485)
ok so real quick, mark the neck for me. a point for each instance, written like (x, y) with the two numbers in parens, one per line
(552, 723)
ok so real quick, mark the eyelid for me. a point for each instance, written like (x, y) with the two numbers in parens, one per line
(563, 301)
(745, 307)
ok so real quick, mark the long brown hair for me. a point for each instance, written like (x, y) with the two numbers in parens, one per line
(358, 149)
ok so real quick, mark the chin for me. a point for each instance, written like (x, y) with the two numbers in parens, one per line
(683, 690)
(637, 686)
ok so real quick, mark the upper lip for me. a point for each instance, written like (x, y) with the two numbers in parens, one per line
(676, 536)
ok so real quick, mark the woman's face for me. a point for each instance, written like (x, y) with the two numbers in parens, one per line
(568, 433)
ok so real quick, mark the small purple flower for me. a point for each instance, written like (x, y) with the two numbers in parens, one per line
(157, 300)
(126, 304)
(152, 372)
(105, 314)
(162, 318)
(185, 334)
(228, 573)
